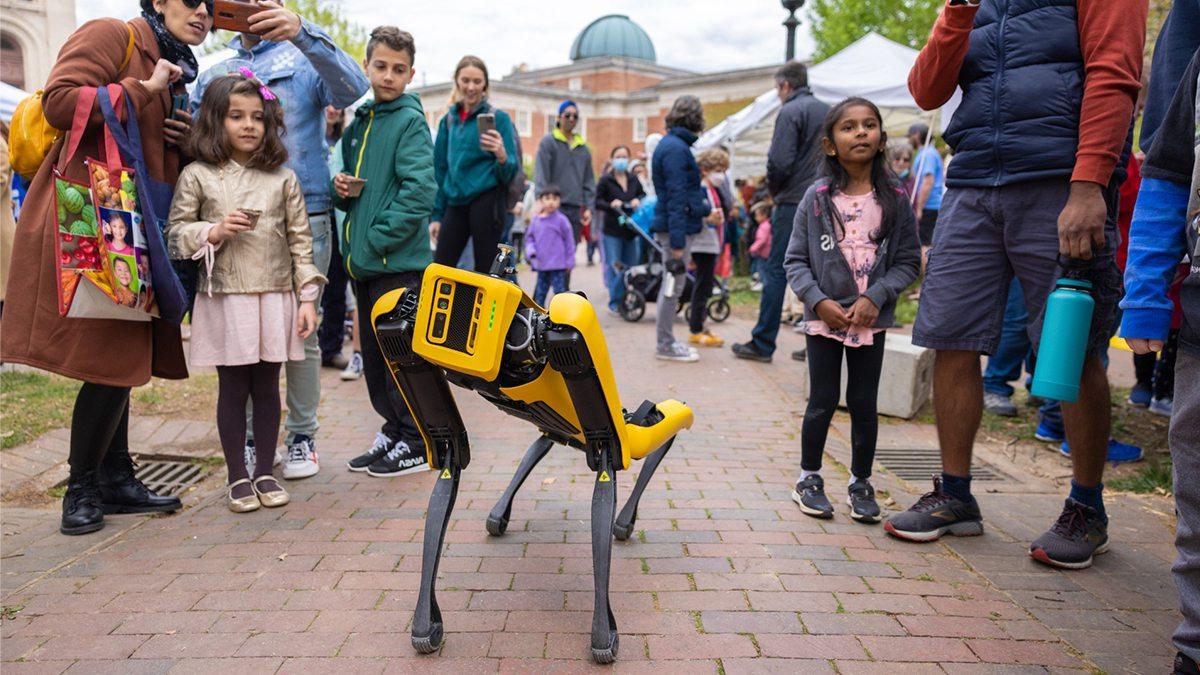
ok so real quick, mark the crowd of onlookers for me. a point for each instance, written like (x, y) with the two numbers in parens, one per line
(265, 227)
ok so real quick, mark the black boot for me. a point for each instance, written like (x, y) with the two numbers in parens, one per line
(82, 512)
(122, 492)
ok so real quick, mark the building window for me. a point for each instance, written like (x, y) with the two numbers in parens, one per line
(524, 123)
(639, 129)
(581, 128)
(551, 121)
(575, 84)
(12, 61)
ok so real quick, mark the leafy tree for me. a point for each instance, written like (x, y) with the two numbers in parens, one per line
(328, 14)
(837, 23)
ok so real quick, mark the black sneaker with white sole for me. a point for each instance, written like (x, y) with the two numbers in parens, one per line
(810, 496)
(1079, 534)
(863, 506)
(401, 460)
(935, 514)
(373, 454)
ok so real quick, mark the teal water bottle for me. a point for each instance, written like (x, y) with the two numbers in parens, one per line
(1065, 330)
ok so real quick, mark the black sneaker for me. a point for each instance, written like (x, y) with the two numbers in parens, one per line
(1184, 665)
(377, 450)
(935, 514)
(810, 496)
(401, 460)
(1079, 534)
(747, 350)
(863, 506)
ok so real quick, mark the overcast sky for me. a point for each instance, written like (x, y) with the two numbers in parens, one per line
(709, 35)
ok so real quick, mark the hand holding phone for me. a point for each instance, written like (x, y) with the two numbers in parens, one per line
(234, 15)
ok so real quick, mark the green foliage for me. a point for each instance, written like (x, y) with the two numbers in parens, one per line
(837, 23)
(32, 404)
(329, 15)
(1154, 477)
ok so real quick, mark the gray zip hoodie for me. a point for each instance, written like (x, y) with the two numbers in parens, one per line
(817, 270)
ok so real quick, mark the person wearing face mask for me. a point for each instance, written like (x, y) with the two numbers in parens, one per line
(707, 246)
(161, 62)
(618, 195)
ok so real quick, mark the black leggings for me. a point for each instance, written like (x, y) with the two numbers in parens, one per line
(99, 423)
(824, 388)
(258, 382)
(481, 221)
(701, 290)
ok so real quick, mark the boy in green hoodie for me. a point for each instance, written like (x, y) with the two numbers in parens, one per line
(385, 240)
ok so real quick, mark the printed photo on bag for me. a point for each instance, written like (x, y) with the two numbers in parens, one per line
(124, 270)
(119, 228)
(75, 212)
(143, 266)
(113, 189)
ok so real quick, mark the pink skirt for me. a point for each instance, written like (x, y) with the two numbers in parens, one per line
(244, 328)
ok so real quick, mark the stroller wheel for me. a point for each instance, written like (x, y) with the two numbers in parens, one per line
(633, 306)
(718, 310)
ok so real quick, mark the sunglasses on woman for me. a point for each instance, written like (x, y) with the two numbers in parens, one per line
(193, 4)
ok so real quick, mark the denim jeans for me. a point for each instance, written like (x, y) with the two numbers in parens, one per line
(770, 306)
(547, 279)
(304, 377)
(623, 252)
(1014, 349)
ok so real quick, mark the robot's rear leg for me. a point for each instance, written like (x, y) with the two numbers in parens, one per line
(427, 621)
(604, 506)
(497, 521)
(624, 525)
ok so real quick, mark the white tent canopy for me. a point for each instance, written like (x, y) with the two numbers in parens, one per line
(10, 96)
(873, 67)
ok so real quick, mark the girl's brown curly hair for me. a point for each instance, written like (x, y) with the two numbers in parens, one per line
(209, 143)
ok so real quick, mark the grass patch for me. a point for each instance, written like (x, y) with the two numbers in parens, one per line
(32, 403)
(1154, 477)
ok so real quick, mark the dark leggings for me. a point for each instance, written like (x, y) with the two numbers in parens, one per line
(99, 423)
(258, 382)
(481, 221)
(824, 388)
(701, 290)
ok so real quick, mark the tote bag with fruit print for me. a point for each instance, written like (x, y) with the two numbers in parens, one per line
(98, 272)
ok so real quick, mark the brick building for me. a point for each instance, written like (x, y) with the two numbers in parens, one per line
(622, 92)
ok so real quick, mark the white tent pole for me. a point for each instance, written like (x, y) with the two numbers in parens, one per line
(928, 137)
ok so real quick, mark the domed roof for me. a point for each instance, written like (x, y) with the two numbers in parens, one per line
(613, 35)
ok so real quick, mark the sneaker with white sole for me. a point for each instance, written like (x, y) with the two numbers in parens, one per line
(301, 459)
(401, 460)
(378, 449)
(677, 352)
(999, 404)
(1162, 406)
(354, 368)
(251, 457)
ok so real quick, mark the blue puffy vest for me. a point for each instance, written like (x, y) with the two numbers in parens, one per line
(1022, 82)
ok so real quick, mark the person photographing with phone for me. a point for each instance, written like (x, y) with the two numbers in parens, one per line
(303, 67)
(475, 158)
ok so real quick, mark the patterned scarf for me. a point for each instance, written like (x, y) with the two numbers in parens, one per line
(172, 49)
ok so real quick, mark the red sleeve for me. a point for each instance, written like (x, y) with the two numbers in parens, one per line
(1112, 35)
(934, 76)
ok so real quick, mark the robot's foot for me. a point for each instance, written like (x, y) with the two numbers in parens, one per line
(622, 531)
(497, 525)
(428, 644)
(607, 654)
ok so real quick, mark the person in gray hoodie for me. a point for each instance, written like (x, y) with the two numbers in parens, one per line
(853, 250)
(564, 160)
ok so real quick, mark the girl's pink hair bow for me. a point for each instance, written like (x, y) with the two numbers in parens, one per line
(266, 93)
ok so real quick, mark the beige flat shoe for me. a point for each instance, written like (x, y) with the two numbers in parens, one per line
(273, 498)
(243, 504)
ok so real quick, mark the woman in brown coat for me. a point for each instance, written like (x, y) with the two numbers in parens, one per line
(110, 357)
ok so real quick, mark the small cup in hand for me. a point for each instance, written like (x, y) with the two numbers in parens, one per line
(251, 215)
(354, 186)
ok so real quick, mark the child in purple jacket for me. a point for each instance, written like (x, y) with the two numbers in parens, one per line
(550, 245)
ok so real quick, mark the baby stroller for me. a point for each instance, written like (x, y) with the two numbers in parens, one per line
(642, 283)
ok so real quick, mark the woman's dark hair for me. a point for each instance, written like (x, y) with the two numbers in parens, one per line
(209, 143)
(686, 112)
(882, 180)
(621, 147)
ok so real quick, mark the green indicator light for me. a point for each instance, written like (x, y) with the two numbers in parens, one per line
(492, 316)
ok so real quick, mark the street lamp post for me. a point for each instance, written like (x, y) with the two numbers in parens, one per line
(791, 22)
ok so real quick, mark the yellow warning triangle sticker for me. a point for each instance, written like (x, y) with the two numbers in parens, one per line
(445, 473)
(604, 477)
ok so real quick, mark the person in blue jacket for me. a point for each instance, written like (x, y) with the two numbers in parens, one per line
(680, 214)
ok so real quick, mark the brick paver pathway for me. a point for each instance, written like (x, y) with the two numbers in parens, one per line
(724, 575)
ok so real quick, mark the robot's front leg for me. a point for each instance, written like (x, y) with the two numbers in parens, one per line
(427, 395)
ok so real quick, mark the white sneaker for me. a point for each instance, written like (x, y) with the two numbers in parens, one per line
(251, 458)
(1162, 406)
(353, 369)
(301, 460)
(678, 352)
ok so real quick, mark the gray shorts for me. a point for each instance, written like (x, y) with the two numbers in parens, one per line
(985, 236)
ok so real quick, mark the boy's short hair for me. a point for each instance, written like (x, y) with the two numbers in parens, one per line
(761, 207)
(549, 189)
(393, 38)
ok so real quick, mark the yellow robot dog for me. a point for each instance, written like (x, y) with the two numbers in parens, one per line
(551, 369)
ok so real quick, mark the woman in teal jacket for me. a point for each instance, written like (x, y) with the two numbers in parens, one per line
(472, 171)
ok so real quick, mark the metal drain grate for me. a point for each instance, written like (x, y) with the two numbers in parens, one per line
(917, 464)
(170, 477)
